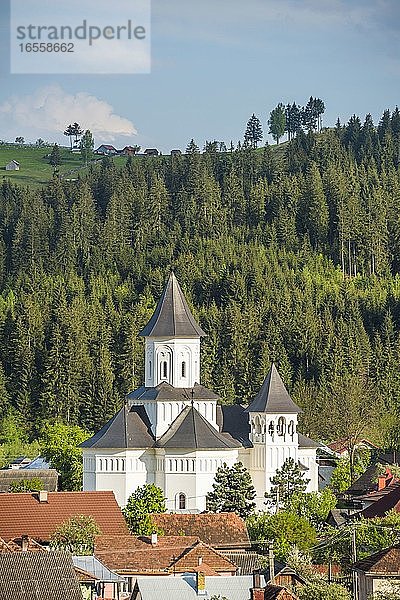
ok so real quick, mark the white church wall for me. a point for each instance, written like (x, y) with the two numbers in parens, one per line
(182, 361)
(192, 473)
(308, 457)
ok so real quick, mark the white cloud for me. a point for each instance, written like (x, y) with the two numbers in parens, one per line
(48, 111)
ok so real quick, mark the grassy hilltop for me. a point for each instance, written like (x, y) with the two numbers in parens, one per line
(35, 169)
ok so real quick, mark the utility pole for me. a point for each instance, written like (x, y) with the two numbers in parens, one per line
(271, 560)
(354, 559)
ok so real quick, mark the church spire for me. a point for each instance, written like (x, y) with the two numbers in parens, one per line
(172, 317)
(273, 397)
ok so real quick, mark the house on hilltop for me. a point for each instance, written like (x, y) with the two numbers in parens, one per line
(106, 150)
(13, 165)
(173, 432)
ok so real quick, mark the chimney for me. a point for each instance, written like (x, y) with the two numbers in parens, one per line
(24, 543)
(381, 482)
(200, 583)
(154, 538)
(43, 496)
(257, 592)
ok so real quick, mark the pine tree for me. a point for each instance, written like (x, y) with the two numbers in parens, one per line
(288, 480)
(277, 122)
(233, 491)
(253, 133)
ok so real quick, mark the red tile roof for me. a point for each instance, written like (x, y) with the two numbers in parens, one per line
(222, 530)
(23, 514)
(390, 499)
(179, 554)
(384, 562)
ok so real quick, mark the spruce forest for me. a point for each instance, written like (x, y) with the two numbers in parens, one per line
(288, 254)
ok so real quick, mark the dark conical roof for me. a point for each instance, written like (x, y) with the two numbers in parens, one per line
(273, 397)
(172, 317)
(191, 430)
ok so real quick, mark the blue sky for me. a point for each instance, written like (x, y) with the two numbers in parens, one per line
(214, 63)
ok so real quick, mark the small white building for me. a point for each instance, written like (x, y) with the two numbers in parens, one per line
(13, 165)
(172, 431)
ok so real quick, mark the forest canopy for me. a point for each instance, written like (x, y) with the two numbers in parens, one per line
(291, 255)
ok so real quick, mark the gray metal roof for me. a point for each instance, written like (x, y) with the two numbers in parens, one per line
(172, 317)
(234, 420)
(247, 562)
(165, 391)
(38, 575)
(129, 428)
(273, 397)
(48, 477)
(191, 430)
(306, 442)
(184, 588)
(95, 567)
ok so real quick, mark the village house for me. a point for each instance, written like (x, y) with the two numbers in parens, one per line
(173, 432)
(151, 152)
(379, 572)
(38, 514)
(106, 150)
(163, 556)
(41, 575)
(13, 165)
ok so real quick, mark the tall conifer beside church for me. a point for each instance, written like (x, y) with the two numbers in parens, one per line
(172, 432)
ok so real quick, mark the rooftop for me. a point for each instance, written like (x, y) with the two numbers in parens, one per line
(385, 562)
(172, 317)
(38, 575)
(24, 514)
(273, 397)
(171, 554)
(222, 530)
(191, 430)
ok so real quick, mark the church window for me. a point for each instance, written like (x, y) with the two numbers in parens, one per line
(149, 368)
(164, 369)
(281, 428)
(182, 501)
(291, 429)
(271, 428)
(183, 369)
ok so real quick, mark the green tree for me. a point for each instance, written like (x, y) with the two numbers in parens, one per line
(323, 591)
(77, 132)
(233, 491)
(284, 529)
(314, 506)
(76, 535)
(144, 501)
(60, 446)
(87, 146)
(55, 156)
(69, 132)
(35, 484)
(288, 480)
(253, 133)
(277, 122)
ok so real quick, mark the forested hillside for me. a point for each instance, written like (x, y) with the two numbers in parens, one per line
(288, 256)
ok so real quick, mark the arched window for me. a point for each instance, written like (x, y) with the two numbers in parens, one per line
(281, 427)
(183, 369)
(182, 501)
(271, 428)
(165, 369)
(291, 429)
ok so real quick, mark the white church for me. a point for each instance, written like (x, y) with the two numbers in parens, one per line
(172, 432)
